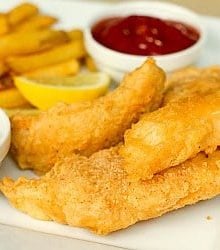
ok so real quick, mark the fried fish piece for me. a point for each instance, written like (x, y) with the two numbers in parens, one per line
(86, 127)
(95, 192)
(192, 81)
(171, 135)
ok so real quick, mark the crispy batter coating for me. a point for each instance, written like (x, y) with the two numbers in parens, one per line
(95, 192)
(171, 135)
(37, 141)
(192, 81)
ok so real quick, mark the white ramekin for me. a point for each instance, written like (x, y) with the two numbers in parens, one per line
(5, 135)
(117, 64)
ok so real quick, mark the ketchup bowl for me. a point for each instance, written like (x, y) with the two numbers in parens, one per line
(173, 35)
(5, 134)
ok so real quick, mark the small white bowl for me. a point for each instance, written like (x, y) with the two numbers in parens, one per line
(5, 135)
(117, 64)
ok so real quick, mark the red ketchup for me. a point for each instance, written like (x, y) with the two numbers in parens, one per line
(144, 35)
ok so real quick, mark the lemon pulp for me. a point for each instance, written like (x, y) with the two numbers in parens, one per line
(44, 93)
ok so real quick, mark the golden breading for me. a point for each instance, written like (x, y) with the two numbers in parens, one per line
(95, 192)
(86, 127)
(171, 135)
(192, 81)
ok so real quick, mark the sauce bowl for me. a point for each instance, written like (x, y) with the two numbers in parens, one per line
(116, 64)
(5, 135)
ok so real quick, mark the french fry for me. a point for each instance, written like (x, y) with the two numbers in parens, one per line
(24, 110)
(70, 67)
(75, 34)
(36, 22)
(4, 24)
(11, 98)
(65, 52)
(20, 43)
(90, 64)
(21, 13)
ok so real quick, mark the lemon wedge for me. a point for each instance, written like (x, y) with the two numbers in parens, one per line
(44, 93)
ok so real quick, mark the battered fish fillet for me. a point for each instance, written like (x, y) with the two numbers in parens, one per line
(192, 81)
(95, 192)
(39, 140)
(171, 135)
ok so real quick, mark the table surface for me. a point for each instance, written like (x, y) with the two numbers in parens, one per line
(211, 7)
(12, 238)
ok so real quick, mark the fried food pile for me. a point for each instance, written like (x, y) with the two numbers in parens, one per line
(96, 193)
(167, 159)
(31, 46)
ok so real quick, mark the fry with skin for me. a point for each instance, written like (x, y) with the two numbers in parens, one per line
(62, 53)
(35, 41)
(21, 12)
(100, 183)
(171, 135)
(62, 69)
(101, 123)
(35, 23)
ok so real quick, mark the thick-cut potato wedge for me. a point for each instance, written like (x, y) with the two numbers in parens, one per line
(21, 13)
(11, 98)
(36, 22)
(65, 52)
(70, 67)
(75, 34)
(3, 68)
(20, 43)
(4, 24)
(90, 64)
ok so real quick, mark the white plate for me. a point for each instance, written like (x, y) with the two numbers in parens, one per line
(184, 229)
